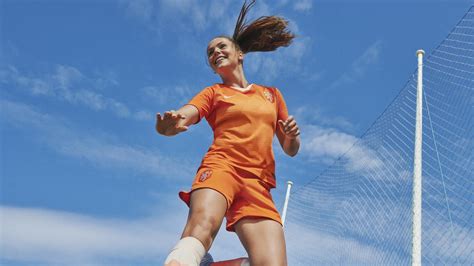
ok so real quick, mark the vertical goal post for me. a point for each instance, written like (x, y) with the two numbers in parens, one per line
(285, 205)
(417, 166)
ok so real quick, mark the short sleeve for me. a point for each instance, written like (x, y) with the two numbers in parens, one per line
(203, 101)
(282, 111)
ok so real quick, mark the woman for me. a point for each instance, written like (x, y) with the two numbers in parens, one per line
(237, 172)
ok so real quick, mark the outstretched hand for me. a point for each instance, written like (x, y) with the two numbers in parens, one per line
(289, 127)
(168, 124)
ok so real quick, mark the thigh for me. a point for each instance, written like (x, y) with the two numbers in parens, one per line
(206, 212)
(264, 241)
(254, 200)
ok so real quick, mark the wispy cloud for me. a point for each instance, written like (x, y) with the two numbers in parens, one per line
(348, 222)
(315, 115)
(69, 84)
(448, 243)
(97, 147)
(360, 66)
(140, 9)
(157, 15)
(195, 19)
(39, 235)
(303, 5)
(173, 95)
(308, 246)
(58, 237)
(283, 62)
(328, 144)
(298, 5)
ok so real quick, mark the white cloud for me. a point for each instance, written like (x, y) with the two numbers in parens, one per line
(176, 95)
(67, 83)
(308, 246)
(345, 220)
(58, 237)
(328, 144)
(194, 18)
(180, 14)
(144, 115)
(325, 143)
(40, 236)
(360, 66)
(96, 147)
(66, 76)
(303, 5)
(451, 244)
(141, 9)
(315, 115)
(283, 62)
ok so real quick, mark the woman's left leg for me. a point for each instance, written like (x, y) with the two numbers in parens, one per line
(264, 241)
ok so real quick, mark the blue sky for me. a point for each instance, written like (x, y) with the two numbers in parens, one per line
(84, 176)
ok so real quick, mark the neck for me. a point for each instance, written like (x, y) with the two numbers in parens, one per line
(235, 78)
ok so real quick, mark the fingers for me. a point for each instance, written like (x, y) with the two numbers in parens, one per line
(173, 115)
(168, 123)
(289, 127)
(281, 123)
(181, 129)
(294, 133)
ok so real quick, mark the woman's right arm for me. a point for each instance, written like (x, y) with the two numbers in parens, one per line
(174, 122)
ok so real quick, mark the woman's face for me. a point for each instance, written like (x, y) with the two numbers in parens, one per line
(222, 54)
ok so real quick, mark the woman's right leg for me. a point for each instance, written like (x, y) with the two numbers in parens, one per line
(206, 212)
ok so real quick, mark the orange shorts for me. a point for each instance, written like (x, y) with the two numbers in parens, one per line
(247, 196)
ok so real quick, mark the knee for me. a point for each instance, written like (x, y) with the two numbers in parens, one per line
(203, 227)
(203, 222)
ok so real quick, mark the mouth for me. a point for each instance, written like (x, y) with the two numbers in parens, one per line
(219, 59)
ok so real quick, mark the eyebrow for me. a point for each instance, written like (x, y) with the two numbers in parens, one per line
(210, 49)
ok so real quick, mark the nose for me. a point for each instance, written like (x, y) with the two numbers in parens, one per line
(217, 51)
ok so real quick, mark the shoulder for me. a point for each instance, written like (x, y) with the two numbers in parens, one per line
(210, 90)
(212, 87)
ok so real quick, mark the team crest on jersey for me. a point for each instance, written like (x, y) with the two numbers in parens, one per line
(269, 95)
(205, 175)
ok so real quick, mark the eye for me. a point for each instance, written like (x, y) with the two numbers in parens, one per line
(209, 53)
(222, 46)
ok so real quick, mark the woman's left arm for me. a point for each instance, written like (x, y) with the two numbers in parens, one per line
(288, 135)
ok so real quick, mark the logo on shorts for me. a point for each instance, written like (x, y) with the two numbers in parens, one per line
(205, 175)
(269, 96)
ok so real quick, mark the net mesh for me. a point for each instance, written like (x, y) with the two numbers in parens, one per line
(358, 211)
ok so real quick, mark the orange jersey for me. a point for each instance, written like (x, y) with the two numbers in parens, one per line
(244, 124)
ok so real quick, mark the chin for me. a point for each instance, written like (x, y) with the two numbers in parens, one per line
(223, 67)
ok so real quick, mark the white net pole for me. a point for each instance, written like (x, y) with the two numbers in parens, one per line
(416, 241)
(285, 205)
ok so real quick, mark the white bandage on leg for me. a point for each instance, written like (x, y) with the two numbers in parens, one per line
(245, 262)
(189, 251)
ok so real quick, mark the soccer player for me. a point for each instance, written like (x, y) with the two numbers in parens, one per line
(238, 171)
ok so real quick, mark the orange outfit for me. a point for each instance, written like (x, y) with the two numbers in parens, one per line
(240, 163)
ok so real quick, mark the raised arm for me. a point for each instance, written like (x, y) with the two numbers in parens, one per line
(288, 135)
(174, 122)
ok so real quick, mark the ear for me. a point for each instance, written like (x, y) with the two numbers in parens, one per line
(241, 56)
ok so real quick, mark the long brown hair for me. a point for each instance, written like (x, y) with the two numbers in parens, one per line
(264, 34)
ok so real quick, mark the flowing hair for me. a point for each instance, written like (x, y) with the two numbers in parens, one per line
(264, 34)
